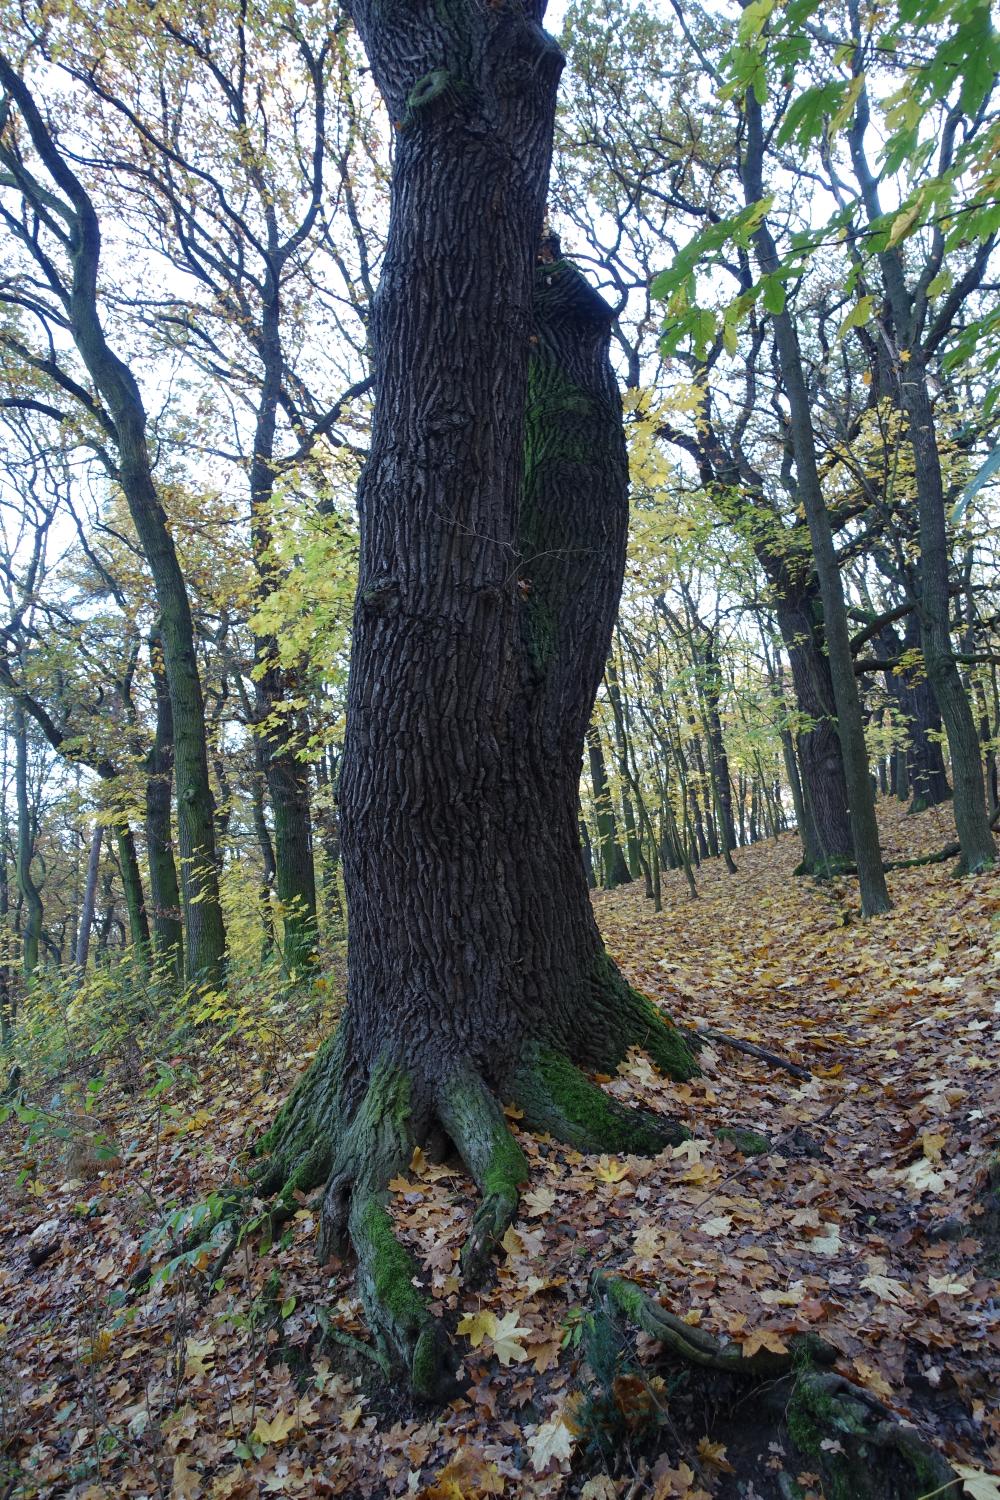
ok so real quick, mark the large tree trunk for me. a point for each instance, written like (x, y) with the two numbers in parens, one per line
(493, 521)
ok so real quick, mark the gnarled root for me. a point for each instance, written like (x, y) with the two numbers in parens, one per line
(375, 1147)
(498, 1166)
(558, 1099)
(859, 1447)
(616, 1297)
(297, 1151)
(359, 1151)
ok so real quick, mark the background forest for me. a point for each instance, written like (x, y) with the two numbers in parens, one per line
(793, 211)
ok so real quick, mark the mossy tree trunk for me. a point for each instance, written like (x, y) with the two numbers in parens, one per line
(493, 521)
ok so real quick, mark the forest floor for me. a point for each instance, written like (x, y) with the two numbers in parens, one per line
(233, 1390)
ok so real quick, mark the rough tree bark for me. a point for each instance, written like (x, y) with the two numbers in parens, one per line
(493, 519)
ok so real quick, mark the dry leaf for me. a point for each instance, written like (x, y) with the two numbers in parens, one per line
(551, 1443)
(505, 1337)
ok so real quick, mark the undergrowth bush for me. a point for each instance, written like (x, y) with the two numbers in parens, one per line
(139, 1031)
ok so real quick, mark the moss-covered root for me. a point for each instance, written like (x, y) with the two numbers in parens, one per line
(375, 1147)
(473, 1120)
(615, 1297)
(861, 1451)
(558, 1099)
(298, 1150)
(858, 1446)
(408, 1334)
(644, 1025)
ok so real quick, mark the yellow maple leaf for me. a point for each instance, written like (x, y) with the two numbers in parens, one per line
(512, 1241)
(478, 1326)
(550, 1443)
(947, 1286)
(713, 1455)
(873, 1379)
(465, 1477)
(538, 1201)
(763, 1338)
(198, 1355)
(977, 1483)
(932, 1144)
(275, 1429)
(609, 1169)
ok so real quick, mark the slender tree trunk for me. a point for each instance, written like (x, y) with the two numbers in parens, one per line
(266, 846)
(135, 905)
(588, 857)
(120, 392)
(165, 908)
(628, 815)
(972, 822)
(718, 759)
(8, 998)
(614, 867)
(850, 728)
(281, 729)
(89, 899)
(328, 825)
(971, 817)
(30, 894)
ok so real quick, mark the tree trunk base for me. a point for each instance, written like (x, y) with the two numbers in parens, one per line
(320, 1136)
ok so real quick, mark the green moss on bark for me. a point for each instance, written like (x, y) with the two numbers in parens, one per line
(558, 1098)
(391, 1267)
(750, 1142)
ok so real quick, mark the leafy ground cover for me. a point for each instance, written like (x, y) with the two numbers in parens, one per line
(243, 1371)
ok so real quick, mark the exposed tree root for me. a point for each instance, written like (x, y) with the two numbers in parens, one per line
(319, 1137)
(297, 1152)
(557, 1099)
(376, 1146)
(613, 1294)
(861, 1450)
(496, 1163)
